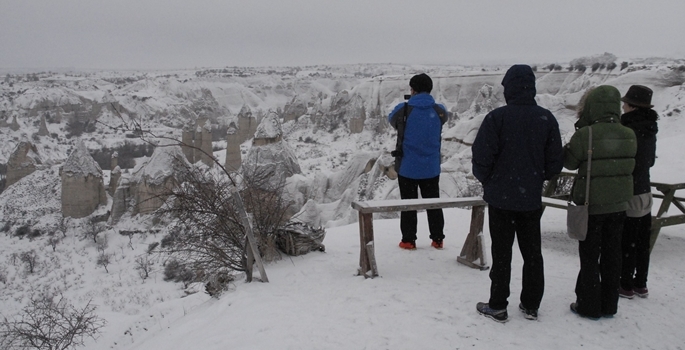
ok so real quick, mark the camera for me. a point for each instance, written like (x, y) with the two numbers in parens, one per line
(406, 97)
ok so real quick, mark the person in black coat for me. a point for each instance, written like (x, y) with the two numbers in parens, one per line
(517, 148)
(642, 119)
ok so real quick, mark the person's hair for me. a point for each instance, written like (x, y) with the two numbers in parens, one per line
(421, 83)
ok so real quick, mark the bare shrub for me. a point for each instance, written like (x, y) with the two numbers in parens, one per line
(209, 234)
(93, 229)
(45, 324)
(30, 260)
(176, 271)
(53, 242)
(143, 266)
(103, 260)
(102, 244)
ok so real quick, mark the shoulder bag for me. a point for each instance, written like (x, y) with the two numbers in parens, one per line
(577, 215)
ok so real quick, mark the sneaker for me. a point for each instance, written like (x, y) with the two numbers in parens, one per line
(529, 314)
(574, 309)
(641, 292)
(624, 293)
(408, 245)
(500, 316)
(437, 244)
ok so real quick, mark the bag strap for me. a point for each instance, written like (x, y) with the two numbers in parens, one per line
(589, 165)
(401, 124)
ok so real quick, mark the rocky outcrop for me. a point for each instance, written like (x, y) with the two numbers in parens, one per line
(149, 186)
(23, 161)
(247, 124)
(43, 128)
(295, 109)
(233, 156)
(197, 143)
(15, 125)
(270, 155)
(83, 189)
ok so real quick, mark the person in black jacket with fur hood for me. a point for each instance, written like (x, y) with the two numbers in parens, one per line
(642, 119)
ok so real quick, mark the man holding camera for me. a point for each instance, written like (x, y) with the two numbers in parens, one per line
(417, 157)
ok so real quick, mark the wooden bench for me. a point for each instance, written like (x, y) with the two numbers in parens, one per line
(664, 191)
(472, 253)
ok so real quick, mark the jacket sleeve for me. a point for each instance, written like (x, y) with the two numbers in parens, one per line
(554, 153)
(573, 152)
(395, 115)
(484, 150)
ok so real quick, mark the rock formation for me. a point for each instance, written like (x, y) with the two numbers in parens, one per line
(150, 184)
(197, 142)
(83, 189)
(270, 155)
(43, 129)
(233, 156)
(22, 162)
(15, 125)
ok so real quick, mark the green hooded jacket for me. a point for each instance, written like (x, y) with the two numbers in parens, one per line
(613, 153)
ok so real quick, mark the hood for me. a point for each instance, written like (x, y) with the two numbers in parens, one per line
(601, 104)
(519, 85)
(422, 99)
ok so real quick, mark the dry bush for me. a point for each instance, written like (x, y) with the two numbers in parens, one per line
(209, 234)
(46, 324)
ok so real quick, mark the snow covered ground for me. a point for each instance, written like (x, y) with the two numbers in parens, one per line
(423, 299)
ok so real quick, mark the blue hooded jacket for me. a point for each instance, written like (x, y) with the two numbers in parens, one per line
(422, 136)
(518, 146)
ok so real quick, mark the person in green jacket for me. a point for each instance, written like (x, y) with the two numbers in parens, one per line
(611, 188)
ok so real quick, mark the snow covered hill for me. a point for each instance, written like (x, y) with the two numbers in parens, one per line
(319, 108)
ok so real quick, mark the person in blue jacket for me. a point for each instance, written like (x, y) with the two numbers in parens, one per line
(517, 148)
(420, 121)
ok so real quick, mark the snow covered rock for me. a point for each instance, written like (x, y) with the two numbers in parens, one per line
(83, 189)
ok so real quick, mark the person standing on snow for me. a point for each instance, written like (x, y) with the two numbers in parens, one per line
(611, 188)
(417, 160)
(517, 148)
(637, 228)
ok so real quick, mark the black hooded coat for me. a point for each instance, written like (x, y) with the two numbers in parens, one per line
(644, 124)
(518, 146)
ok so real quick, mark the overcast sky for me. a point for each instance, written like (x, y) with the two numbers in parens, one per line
(122, 34)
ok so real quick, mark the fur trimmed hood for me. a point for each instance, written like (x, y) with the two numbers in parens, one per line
(599, 105)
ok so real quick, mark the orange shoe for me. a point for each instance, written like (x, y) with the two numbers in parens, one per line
(408, 245)
(437, 244)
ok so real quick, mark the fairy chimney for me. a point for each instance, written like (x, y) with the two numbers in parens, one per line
(43, 129)
(233, 156)
(83, 188)
(22, 162)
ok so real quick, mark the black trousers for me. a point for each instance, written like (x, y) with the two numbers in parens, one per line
(409, 189)
(600, 265)
(635, 260)
(525, 225)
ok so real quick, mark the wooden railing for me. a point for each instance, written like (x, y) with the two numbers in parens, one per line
(666, 192)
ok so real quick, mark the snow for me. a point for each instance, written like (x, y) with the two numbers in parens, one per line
(80, 163)
(160, 166)
(422, 299)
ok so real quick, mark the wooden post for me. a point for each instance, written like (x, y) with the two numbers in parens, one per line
(367, 258)
(473, 252)
(251, 244)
